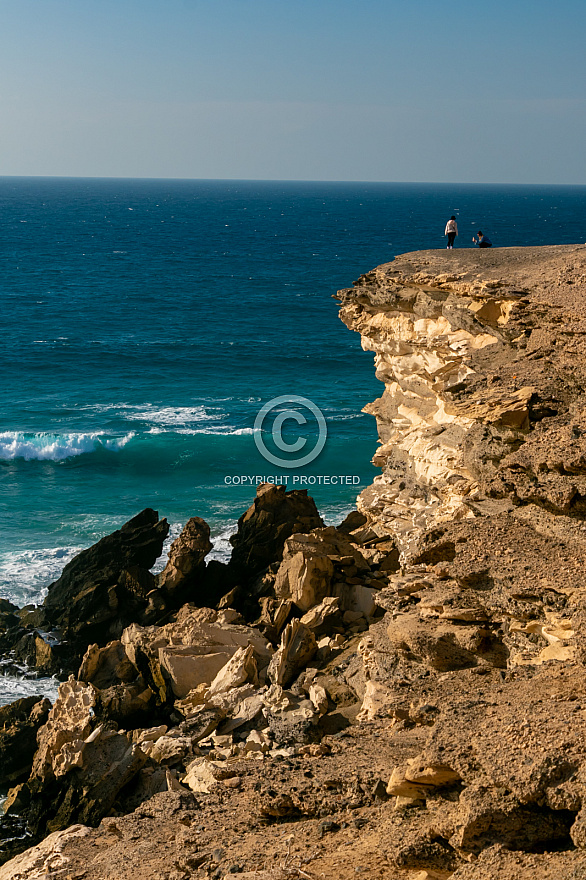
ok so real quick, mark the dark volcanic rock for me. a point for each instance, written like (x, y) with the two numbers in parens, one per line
(183, 576)
(104, 587)
(274, 516)
(19, 723)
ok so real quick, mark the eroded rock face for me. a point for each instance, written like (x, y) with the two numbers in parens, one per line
(70, 722)
(19, 723)
(184, 570)
(463, 353)
(104, 587)
(263, 529)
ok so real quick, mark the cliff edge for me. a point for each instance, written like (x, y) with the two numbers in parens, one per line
(402, 696)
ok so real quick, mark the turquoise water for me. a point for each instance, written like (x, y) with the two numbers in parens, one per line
(145, 323)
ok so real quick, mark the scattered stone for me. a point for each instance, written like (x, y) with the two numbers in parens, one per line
(296, 649)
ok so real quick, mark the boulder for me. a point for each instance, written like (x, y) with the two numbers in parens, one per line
(169, 750)
(40, 651)
(239, 669)
(325, 618)
(274, 515)
(320, 564)
(185, 567)
(91, 775)
(70, 721)
(202, 775)
(190, 652)
(80, 765)
(126, 704)
(108, 666)
(354, 520)
(297, 647)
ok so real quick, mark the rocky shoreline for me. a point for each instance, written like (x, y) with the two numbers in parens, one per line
(401, 696)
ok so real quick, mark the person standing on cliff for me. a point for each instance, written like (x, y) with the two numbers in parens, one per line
(451, 232)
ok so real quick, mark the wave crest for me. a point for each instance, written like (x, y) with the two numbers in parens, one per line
(45, 446)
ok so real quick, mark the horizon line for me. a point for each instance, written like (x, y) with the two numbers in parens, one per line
(281, 180)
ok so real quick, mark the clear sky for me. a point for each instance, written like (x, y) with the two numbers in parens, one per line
(390, 90)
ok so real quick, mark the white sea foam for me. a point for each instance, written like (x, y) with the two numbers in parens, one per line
(26, 574)
(218, 431)
(46, 446)
(170, 416)
(14, 687)
(189, 420)
(221, 541)
(157, 415)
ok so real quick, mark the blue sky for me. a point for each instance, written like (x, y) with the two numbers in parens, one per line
(295, 89)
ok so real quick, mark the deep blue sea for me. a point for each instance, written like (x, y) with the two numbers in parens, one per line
(144, 323)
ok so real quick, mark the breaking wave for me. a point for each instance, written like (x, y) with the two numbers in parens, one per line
(46, 446)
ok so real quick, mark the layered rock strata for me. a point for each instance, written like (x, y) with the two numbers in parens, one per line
(481, 358)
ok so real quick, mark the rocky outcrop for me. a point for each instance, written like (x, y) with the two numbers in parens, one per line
(184, 571)
(407, 690)
(262, 531)
(19, 723)
(101, 590)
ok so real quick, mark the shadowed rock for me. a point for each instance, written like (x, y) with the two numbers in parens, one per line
(19, 723)
(185, 567)
(102, 589)
(263, 529)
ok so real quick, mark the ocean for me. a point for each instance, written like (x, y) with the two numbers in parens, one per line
(145, 323)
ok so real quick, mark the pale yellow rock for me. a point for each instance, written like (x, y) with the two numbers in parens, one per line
(419, 359)
(400, 786)
(555, 631)
(148, 734)
(306, 571)
(376, 701)
(170, 749)
(69, 724)
(319, 613)
(202, 775)
(319, 698)
(190, 666)
(257, 741)
(306, 580)
(241, 668)
(297, 647)
(46, 859)
(431, 774)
